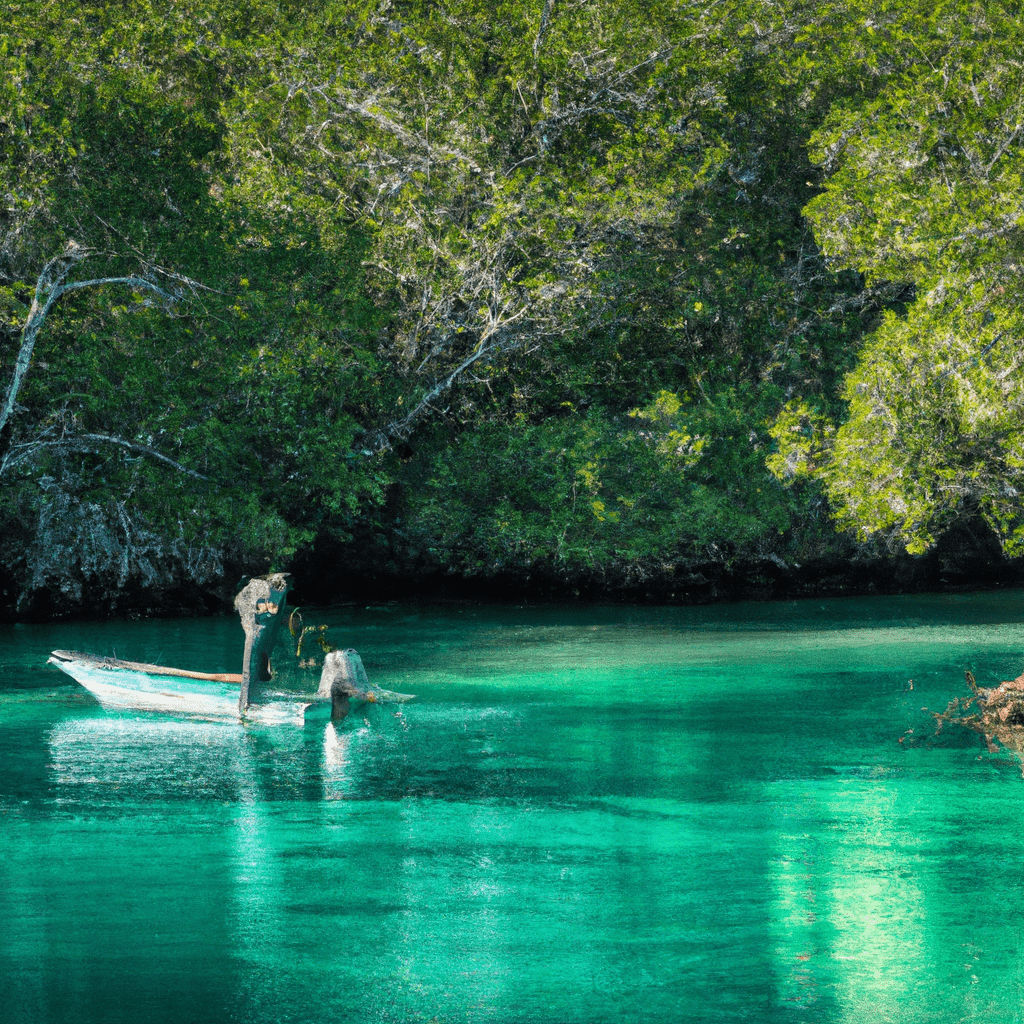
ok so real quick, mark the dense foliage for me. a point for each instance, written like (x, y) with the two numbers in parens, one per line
(603, 287)
(924, 186)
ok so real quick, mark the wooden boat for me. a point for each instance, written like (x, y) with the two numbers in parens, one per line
(136, 686)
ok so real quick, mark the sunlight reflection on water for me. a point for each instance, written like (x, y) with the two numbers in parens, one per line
(705, 817)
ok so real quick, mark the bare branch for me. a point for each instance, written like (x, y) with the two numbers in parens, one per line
(974, 360)
(88, 443)
(1000, 152)
(365, 109)
(401, 429)
(544, 19)
(142, 449)
(49, 280)
(51, 284)
(132, 280)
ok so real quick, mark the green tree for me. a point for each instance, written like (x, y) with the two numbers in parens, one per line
(924, 188)
(507, 161)
(150, 425)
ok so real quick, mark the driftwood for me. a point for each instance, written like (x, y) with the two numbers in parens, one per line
(259, 604)
(1000, 705)
(997, 712)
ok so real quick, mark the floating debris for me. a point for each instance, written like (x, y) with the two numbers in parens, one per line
(996, 712)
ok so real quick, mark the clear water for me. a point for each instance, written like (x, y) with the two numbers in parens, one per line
(586, 816)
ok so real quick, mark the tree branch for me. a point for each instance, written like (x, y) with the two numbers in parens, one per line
(142, 449)
(20, 453)
(544, 19)
(51, 284)
(400, 429)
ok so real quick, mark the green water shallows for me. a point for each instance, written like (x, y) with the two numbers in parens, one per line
(586, 816)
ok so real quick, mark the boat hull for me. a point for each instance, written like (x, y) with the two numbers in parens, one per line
(125, 689)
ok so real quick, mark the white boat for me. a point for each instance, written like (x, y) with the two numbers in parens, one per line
(134, 686)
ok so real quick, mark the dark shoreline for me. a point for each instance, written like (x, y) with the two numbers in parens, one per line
(961, 561)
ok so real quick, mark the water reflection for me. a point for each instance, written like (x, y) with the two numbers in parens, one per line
(337, 782)
(576, 822)
(883, 909)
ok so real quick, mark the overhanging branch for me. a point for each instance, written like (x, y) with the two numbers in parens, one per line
(87, 443)
(51, 284)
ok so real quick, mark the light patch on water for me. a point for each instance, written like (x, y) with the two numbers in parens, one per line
(669, 818)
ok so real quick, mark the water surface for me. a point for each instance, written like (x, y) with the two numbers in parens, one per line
(586, 815)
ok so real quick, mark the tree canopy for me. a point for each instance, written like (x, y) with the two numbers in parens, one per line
(923, 186)
(502, 287)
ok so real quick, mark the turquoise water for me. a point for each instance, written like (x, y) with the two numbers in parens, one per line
(586, 816)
